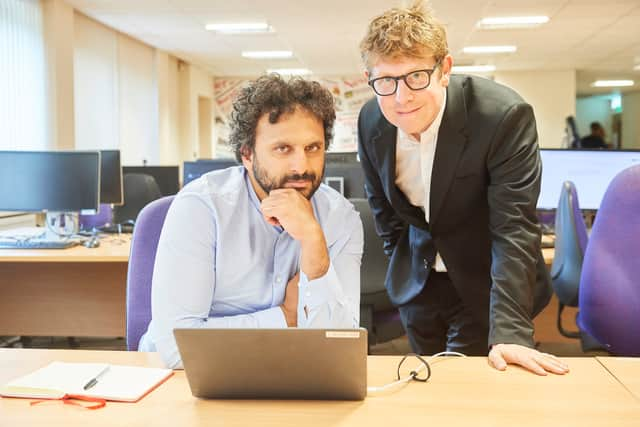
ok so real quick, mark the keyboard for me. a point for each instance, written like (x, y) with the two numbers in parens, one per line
(36, 244)
(113, 229)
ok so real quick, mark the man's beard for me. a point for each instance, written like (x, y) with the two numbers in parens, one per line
(268, 183)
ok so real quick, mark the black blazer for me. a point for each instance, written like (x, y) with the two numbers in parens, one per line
(484, 187)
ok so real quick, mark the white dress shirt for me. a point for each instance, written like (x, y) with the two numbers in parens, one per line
(414, 165)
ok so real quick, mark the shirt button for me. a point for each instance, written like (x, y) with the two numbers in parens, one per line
(278, 279)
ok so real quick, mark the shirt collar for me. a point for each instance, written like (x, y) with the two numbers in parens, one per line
(253, 197)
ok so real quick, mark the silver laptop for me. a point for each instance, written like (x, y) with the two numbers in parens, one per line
(275, 363)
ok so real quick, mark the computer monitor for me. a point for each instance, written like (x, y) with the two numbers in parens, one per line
(335, 182)
(193, 170)
(167, 177)
(349, 173)
(50, 181)
(110, 177)
(590, 170)
(341, 157)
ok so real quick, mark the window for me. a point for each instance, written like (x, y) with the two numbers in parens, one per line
(23, 103)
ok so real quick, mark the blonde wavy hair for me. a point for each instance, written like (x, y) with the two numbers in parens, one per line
(410, 32)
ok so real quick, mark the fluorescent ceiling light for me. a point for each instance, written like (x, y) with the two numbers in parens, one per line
(637, 67)
(489, 49)
(512, 22)
(290, 71)
(473, 68)
(267, 54)
(237, 28)
(612, 83)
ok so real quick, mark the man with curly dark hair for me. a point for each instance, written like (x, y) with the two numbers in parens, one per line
(265, 244)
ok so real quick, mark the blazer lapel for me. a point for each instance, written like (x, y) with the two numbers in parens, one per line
(385, 147)
(452, 138)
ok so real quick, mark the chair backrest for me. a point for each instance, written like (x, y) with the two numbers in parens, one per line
(139, 190)
(570, 244)
(609, 286)
(373, 270)
(144, 244)
(103, 217)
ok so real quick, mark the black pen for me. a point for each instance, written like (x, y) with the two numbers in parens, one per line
(93, 381)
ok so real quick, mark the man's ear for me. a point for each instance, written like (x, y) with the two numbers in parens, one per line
(445, 70)
(246, 156)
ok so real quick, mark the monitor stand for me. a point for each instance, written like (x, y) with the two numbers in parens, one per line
(60, 225)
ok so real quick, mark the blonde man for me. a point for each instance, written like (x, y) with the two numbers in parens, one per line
(452, 173)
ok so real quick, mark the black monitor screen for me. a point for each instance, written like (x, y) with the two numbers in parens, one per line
(341, 157)
(193, 170)
(590, 170)
(167, 177)
(54, 181)
(351, 175)
(110, 177)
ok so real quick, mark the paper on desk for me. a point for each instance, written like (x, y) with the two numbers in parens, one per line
(120, 383)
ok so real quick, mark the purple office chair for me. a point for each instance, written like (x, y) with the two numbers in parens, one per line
(144, 243)
(609, 298)
(102, 218)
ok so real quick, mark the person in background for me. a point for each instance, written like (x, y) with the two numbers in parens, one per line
(595, 140)
(265, 244)
(452, 174)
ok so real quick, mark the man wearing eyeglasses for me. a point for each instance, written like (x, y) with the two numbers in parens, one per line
(452, 173)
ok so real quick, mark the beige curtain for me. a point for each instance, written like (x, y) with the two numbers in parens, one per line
(23, 94)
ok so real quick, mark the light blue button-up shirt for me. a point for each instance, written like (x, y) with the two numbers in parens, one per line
(221, 265)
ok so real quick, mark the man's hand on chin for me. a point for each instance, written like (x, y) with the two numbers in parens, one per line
(539, 363)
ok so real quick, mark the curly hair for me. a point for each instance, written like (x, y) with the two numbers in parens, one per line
(272, 95)
(412, 32)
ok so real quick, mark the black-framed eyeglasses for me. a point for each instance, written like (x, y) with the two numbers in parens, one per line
(415, 80)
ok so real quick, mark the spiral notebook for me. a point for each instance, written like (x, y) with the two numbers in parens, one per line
(115, 382)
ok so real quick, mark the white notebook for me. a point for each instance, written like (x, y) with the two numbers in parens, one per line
(118, 383)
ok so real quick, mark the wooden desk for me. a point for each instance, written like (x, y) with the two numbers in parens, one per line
(626, 370)
(461, 392)
(65, 292)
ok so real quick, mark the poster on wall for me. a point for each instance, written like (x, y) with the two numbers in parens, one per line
(349, 93)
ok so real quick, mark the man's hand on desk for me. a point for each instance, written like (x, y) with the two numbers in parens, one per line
(529, 358)
(290, 304)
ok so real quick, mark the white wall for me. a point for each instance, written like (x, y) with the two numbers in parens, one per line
(631, 120)
(136, 98)
(137, 102)
(95, 85)
(194, 83)
(168, 108)
(552, 95)
(115, 92)
(58, 20)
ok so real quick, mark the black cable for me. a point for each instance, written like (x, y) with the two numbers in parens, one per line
(414, 374)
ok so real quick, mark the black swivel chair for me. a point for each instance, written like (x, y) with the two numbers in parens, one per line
(139, 190)
(377, 314)
(570, 245)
